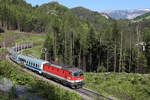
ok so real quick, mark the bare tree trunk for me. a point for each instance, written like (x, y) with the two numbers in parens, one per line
(55, 40)
(84, 63)
(120, 61)
(107, 59)
(100, 51)
(138, 40)
(130, 54)
(115, 56)
(91, 67)
(18, 26)
(79, 62)
(65, 50)
(71, 48)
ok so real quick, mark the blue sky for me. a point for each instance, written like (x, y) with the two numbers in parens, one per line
(98, 5)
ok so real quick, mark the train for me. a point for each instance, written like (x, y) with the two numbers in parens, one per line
(67, 75)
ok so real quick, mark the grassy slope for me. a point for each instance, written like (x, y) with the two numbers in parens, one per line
(2, 51)
(122, 86)
(21, 36)
(34, 39)
(35, 52)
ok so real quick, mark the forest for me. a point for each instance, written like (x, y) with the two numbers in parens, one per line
(81, 37)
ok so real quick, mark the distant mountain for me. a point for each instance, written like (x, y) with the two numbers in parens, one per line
(126, 14)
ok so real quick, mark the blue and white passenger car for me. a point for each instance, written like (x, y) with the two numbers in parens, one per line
(32, 63)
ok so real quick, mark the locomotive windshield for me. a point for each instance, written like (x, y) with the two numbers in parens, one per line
(77, 74)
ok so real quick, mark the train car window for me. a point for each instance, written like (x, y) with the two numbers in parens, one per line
(62, 71)
(57, 70)
(52, 68)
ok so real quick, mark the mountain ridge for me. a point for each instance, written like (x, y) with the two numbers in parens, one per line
(126, 14)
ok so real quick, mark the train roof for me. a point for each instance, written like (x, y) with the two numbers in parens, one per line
(72, 69)
(69, 68)
(33, 59)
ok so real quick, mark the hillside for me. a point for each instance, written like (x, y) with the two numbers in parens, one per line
(100, 21)
(143, 17)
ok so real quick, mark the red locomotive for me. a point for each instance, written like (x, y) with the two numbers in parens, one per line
(65, 74)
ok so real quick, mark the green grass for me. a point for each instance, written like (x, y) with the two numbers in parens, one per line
(35, 51)
(1, 37)
(22, 38)
(122, 86)
(11, 33)
(2, 51)
(32, 39)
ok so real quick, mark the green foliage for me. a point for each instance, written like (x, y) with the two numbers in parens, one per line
(101, 68)
(2, 51)
(143, 62)
(122, 86)
(52, 92)
(12, 72)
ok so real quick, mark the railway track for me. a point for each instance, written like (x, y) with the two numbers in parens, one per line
(84, 92)
(92, 94)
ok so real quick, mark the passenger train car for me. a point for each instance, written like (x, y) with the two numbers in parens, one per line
(67, 75)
